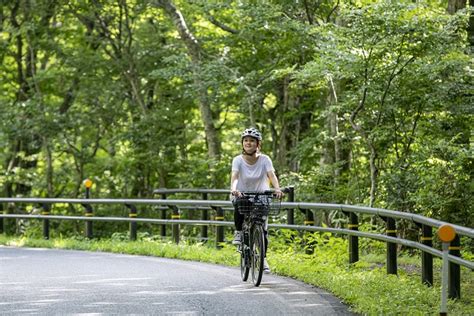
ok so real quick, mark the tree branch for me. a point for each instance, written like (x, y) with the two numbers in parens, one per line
(178, 20)
(332, 11)
(308, 14)
(222, 26)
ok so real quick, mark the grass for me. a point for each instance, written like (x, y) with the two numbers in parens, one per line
(364, 286)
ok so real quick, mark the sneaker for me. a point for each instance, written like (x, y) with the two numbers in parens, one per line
(237, 237)
(266, 267)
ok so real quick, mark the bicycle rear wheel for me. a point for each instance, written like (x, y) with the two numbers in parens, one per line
(258, 254)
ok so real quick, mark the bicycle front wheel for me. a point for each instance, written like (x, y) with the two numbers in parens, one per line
(244, 267)
(258, 254)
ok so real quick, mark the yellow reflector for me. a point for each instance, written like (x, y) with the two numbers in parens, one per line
(88, 183)
(446, 233)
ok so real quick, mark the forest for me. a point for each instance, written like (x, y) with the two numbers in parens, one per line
(363, 102)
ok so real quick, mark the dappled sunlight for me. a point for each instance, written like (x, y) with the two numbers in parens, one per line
(301, 293)
(61, 290)
(63, 277)
(309, 305)
(12, 283)
(13, 258)
(106, 281)
(27, 310)
(46, 301)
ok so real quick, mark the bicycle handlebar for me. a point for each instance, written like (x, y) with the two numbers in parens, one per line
(266, 192)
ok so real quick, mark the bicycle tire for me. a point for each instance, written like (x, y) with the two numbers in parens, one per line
(257, 254)
(244, 268)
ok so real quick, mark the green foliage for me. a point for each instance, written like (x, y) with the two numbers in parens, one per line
(109, 91)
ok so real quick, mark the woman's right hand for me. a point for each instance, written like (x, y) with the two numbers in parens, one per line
(236, 193)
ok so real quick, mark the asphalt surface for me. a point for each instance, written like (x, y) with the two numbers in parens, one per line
(62, 282)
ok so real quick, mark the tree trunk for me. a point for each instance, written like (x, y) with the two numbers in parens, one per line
(470, 27)
(281, 144)
(286, 116)
(49, 169)
(195, 52)
(455, 5)
(28, 144)
(334, 129)
(374, 173)
(336, 153)
(373, 152)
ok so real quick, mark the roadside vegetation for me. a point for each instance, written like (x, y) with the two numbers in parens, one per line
(364, 286)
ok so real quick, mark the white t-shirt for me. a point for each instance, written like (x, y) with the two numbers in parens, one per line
(253, 177)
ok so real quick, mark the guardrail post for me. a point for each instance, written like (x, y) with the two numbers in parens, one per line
(454, 288)
(353, 240)
(204, 217)
(391, 247)
(163, 216)
(427, 258)
(175, 227)
(46, 209)
(219, 229)
(309, 221)
(133, 225)
(88, 225)
(89, 210)
(290, 214)
(8, 226)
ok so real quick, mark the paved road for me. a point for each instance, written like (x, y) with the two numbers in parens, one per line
(60, 282)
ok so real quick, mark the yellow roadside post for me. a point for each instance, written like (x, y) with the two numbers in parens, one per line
(89, 211)
(446, 234)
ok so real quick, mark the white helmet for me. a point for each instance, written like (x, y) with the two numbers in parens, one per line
(252, 132)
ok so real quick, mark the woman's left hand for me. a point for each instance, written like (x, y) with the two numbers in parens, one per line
(278, 193)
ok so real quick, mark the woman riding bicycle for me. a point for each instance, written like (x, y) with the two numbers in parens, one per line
(251, 171)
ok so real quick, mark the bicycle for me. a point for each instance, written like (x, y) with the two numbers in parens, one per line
(255, 206)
